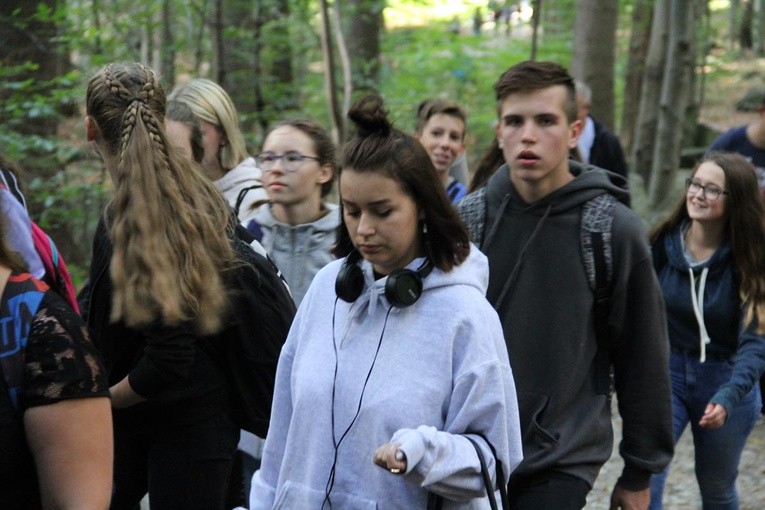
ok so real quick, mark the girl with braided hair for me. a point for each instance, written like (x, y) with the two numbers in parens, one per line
(158, 301)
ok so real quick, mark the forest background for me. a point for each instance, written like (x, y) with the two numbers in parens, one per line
(667, 75)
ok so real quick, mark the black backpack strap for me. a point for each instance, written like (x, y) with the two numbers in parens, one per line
(472, 210)
(240, 197)
(595, 235)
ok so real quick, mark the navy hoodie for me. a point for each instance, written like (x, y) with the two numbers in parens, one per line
(539, 287)
(721, 315)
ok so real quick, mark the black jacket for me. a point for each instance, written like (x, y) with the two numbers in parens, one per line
(172, 367)
(606, 151)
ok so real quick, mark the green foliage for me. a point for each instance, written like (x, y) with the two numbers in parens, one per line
(429, 61)
(420, 59)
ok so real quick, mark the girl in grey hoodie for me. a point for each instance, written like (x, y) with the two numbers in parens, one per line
(298, 226)
(395, 356)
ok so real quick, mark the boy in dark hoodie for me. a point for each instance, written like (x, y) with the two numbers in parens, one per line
(539, 286)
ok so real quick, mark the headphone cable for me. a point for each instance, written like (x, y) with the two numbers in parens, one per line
(331, 479)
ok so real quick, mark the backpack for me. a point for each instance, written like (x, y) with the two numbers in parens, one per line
(56, 273)
(595, 222)
(262, 313)
(21, 299)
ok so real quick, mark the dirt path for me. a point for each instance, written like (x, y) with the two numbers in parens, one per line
(682, 492)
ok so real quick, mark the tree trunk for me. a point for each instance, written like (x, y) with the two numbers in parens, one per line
(236, 66)
(218, 53)
(168, 46)
(536, 16)
(330, 86)
(758, 27)
(642, 14)
(157, 42)
(345, 58)
(674, 95)
(645, 133)
(257, 66)
(281, 67)
(594, 53)
(364, 23)
(733, 23)
(198, 41)
(693, 135)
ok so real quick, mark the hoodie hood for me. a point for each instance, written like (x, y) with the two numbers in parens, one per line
(673, 244)
(299, 251)
(243, 178)
(244, 174)
(327, 223)
(589, 181)
(473, 272)
(504, 203)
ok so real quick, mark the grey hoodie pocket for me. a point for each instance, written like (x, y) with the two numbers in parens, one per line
(293, 496)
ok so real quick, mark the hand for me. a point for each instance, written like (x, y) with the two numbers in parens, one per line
(623, 499)
(389, 457)
(714, 416)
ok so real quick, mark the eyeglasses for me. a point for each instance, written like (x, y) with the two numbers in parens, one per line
(711, 192)
(291, 160)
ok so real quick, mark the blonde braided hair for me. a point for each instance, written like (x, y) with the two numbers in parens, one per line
(169, 224)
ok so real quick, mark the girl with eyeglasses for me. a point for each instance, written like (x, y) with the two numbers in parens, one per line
(298, 225)
(710, 259)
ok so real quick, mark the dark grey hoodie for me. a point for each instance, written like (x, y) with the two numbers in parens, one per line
(539, 287)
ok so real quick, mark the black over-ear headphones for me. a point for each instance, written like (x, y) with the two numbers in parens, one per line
(402, 288)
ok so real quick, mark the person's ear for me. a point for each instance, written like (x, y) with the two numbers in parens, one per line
(325, 173)
(91, 128)
(461, 149)
(575, 129)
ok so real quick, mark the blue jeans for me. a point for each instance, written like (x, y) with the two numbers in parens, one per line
(718, 452)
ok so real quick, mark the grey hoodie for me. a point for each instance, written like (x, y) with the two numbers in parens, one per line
(441, 371)
(299, 251)
(539, 287)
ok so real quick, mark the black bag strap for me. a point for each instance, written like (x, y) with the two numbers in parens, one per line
(436, 502)
(240, 197)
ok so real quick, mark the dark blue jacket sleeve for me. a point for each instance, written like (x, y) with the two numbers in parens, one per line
(747, 370)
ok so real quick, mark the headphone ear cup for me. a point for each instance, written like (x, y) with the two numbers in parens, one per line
(403, 288)
(349, 282)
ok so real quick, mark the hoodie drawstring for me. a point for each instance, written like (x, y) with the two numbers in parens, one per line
(697, 299)
(516, 269)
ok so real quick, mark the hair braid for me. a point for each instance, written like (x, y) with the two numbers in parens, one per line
(169, 224)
